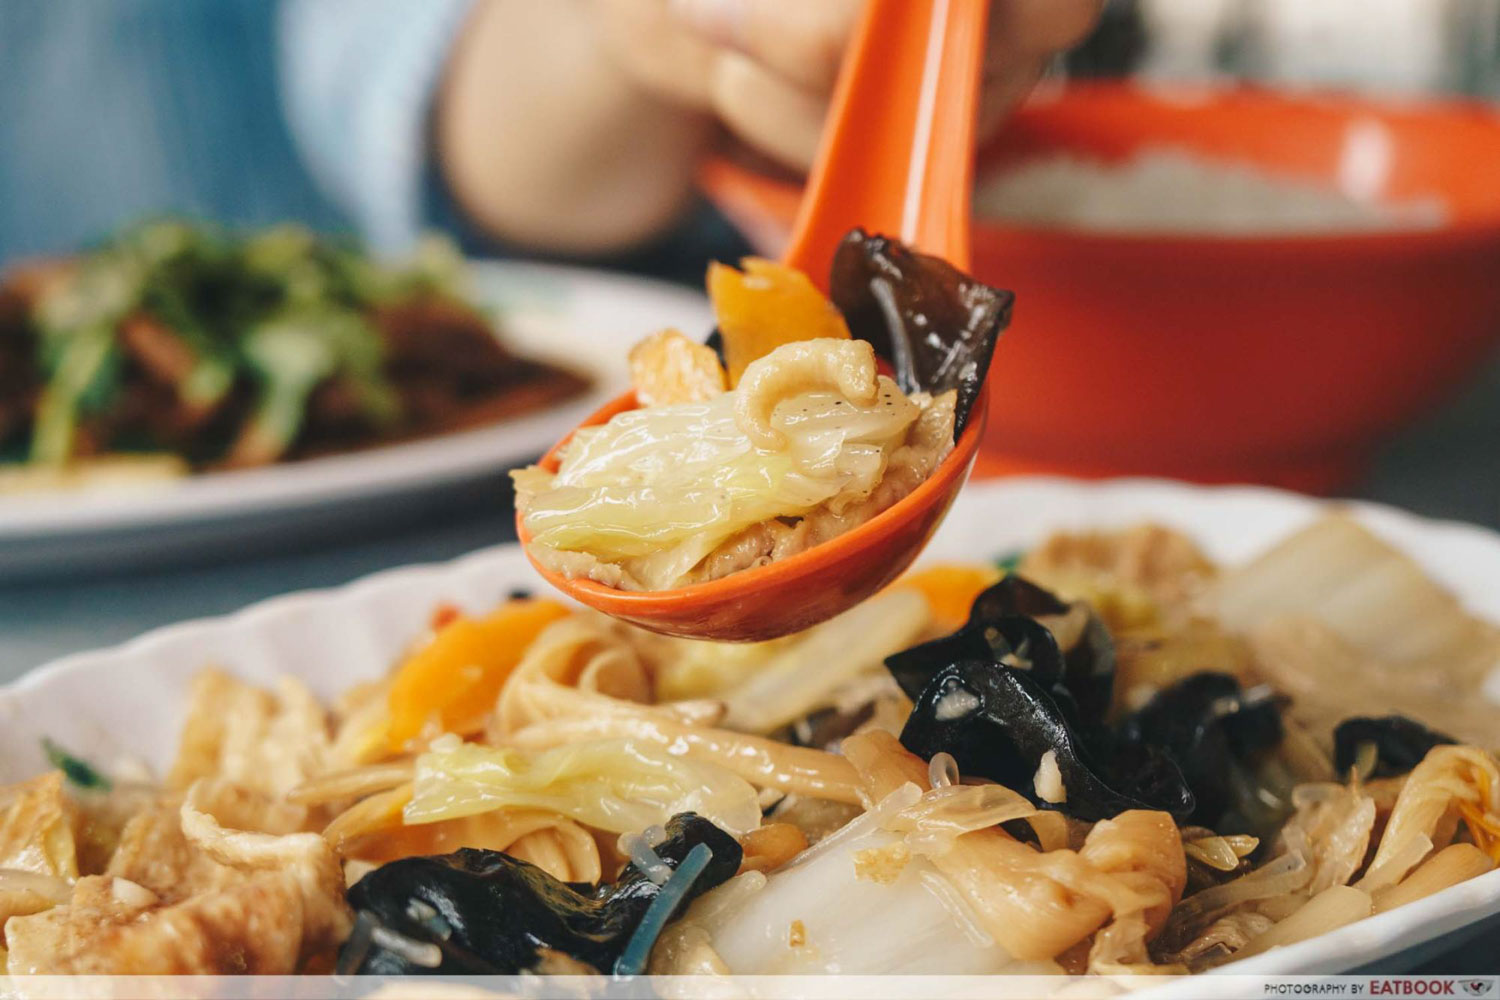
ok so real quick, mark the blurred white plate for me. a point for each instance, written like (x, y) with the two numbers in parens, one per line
(582, 319)
(128, 701)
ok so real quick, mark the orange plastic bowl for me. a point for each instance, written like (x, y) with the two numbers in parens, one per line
(1282, 359)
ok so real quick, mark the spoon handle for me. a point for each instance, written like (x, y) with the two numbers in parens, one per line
(898, 151)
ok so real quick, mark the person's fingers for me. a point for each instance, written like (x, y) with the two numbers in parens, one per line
(716, 66)
(657, 51)
(1004, 90)
(1040, 26)
(766, 67)
(1023, 36)
(800, 40)
(775, 117)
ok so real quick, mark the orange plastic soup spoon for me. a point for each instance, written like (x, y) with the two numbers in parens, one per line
(897, 158)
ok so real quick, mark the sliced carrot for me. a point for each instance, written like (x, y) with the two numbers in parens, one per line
(950, 590)
(450, 684)
(767, 305)
(444, 615)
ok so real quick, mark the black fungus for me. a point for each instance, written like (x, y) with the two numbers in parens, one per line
(1000, 692)
(998, 722)
(826, 728)
(490, 914)
(1214, 729)
(715, 343)
(1400, 743)
(1008, 623)
(933, 323)
(1023, 831)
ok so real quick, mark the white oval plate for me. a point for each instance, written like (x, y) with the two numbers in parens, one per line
(128, 701)
(582, 319)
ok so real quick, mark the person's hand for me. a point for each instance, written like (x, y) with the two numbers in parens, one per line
(766, 68)
(577, 126)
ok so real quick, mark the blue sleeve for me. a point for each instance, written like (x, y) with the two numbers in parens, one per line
(357, 80)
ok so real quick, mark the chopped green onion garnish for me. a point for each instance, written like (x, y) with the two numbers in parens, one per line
(78, 772)
(1011, 560)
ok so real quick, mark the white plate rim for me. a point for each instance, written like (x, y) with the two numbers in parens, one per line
(1130, 499)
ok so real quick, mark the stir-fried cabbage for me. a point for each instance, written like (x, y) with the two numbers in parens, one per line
(1370, 593)
(617, 785)
(663, 486)
(856, 902)
(1347, 624)
(768, 684)
(794, 682)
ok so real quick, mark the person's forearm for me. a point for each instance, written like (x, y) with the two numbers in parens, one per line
(545, 143)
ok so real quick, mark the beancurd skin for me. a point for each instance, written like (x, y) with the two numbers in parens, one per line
(1141, 841)
(1453, 864)
(1328, 910)
(846, 366)
(1424, 812)
(1034, 905)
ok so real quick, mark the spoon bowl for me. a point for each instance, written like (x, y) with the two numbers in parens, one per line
(897, 158)
(794, 593)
